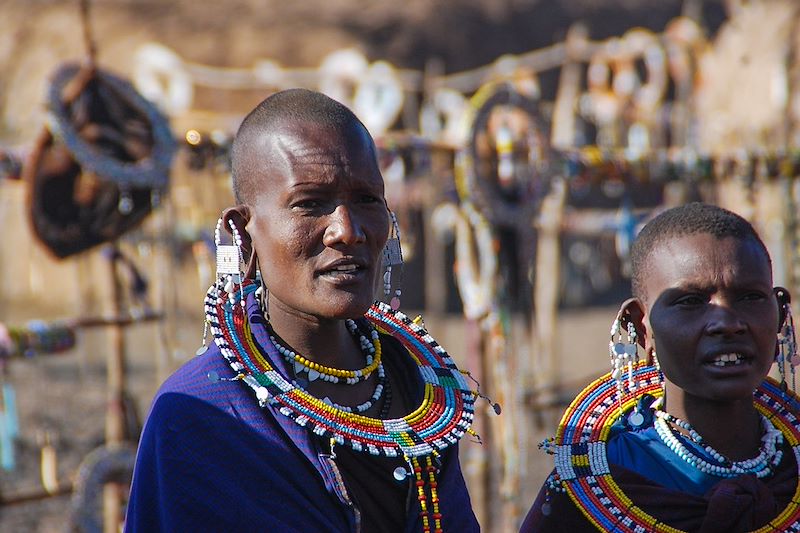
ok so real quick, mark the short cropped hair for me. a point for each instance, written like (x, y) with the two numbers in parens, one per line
(282, 109)
(689, 219)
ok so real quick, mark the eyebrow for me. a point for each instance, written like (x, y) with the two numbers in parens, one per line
(738, 284)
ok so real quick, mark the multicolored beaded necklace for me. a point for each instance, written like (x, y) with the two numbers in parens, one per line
(582, 468)
(443, 417)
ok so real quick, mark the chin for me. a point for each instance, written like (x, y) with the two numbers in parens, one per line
(731, 392)
(351, 308)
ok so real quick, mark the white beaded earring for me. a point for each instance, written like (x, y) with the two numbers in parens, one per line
(624, 357)
(229, 271)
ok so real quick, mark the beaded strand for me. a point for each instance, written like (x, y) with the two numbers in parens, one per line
(768, 458)
(335, 375)
(366, 406)
(432, 483)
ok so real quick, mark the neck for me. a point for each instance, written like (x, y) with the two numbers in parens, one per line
(324, 341)
(733, 428)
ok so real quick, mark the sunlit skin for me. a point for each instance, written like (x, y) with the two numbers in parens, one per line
(318, 224)
(703, 297)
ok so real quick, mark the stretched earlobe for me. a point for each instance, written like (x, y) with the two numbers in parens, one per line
(632, 311)
(784, 299)
(240, 217)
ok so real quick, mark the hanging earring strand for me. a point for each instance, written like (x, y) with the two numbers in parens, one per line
(624, 357)
(787, 343)
(392, 257)
(229, 264)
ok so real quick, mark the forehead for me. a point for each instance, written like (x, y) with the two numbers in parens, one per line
(305, 155)
(706, 261)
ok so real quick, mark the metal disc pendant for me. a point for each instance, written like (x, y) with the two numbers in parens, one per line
(201, 350)
(400, 473)
(636, 419)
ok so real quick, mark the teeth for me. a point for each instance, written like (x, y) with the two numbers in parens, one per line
(345, 268)
(728, 359)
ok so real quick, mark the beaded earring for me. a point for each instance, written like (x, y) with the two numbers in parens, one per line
(392, 257)
(787, 344)
(624, 356)
(262, 295)
(229, 270)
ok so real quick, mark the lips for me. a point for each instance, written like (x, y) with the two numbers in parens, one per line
(728, 358)
(343, 268)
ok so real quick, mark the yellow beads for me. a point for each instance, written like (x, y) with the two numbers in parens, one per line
(338, 372)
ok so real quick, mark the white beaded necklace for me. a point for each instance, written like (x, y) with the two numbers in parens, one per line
(364, 407)
(769, 455)
(367, 347)
(318, 371)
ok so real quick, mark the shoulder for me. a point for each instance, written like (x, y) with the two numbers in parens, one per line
(199, 394)
(194, 376)
(554, 512)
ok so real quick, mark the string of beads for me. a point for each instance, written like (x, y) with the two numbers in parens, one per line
(366, 406)
(769, 455)
(583, 470)
(335, 375)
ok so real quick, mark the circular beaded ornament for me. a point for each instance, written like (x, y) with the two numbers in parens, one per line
(445, 414)
(151, 171)
(582, 466)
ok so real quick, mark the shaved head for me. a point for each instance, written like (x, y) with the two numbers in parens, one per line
(690, 219)
(284, 111)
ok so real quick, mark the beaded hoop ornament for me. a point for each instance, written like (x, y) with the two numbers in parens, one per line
(445, 414)
(580, 451)
(152, 171)
(493, 192)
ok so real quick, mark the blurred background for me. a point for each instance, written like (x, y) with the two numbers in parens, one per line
(523, 143)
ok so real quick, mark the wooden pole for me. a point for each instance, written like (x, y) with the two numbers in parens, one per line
(545, 294)
(34, 495)
(115, 381)
(569, 82)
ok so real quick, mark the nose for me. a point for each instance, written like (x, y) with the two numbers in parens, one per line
(725, 321)
(343, 228)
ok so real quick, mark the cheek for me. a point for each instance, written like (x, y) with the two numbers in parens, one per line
(671, 341)
(280, 256)
(379, 223)
(768, 339)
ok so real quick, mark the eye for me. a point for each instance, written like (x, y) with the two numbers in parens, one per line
(754, 297)
(690, 300)
(370, 199)
(306, 203)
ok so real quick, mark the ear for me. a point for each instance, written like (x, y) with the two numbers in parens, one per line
(632, 311)
(240, 216)
(784, 299)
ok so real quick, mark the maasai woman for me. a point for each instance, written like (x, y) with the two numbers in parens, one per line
(695, 438)
(312, 409)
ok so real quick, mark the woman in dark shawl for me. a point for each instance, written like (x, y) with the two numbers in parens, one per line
(695, 437)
